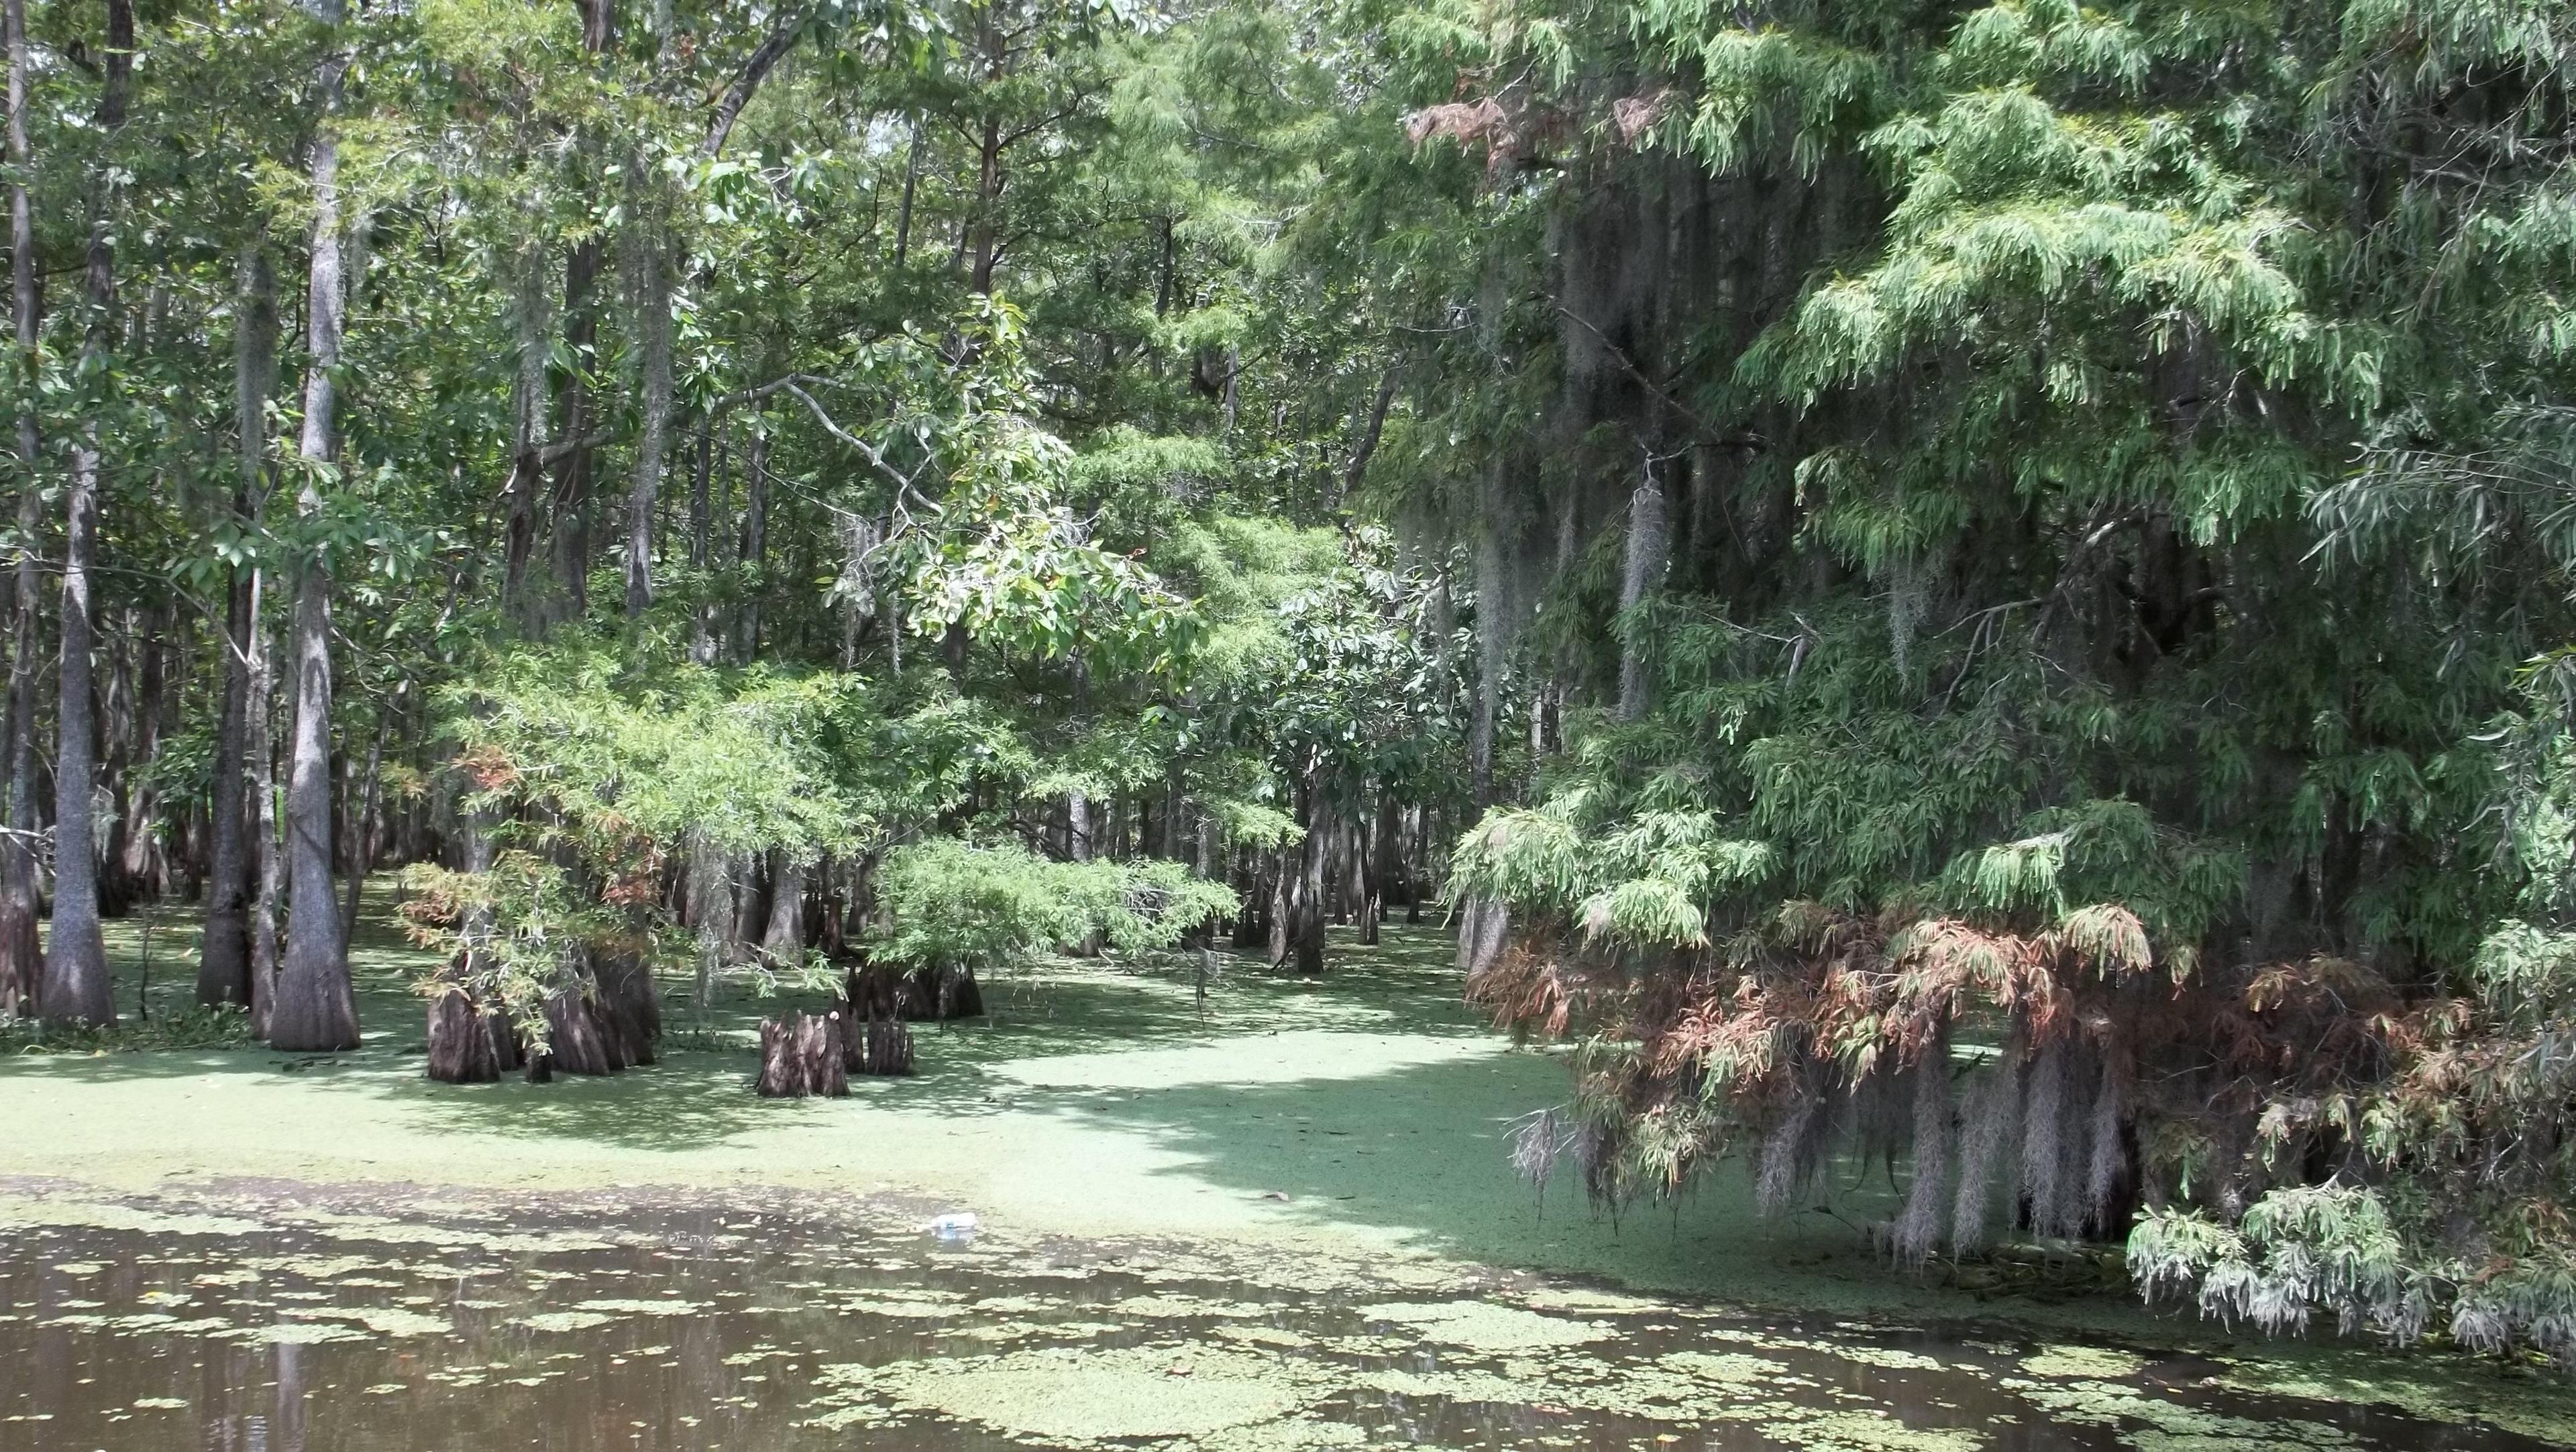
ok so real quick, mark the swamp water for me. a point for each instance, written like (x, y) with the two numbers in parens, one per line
(283, 1322)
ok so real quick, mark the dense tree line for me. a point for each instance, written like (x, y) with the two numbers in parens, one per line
(1982, 584)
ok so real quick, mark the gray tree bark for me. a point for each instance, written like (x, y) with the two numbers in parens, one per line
(21, 959)
(362, 830)
(259, 735)
(1650, 539)
(754, 552)
(527, 432)
(784, 937)
(1491, 642)
(574, 406)
(223, 963)
(653, 322)
(76, 987)
(315, 1009)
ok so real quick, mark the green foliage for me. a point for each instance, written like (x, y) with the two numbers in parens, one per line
(514, 935)
(2109, 630)
(187, 1028)
(746, 764)
(2296, 1252)
(950, 905)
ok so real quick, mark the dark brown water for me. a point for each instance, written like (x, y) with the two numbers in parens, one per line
(282, 1326)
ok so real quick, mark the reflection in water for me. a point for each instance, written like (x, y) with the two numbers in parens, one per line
(453, 1326)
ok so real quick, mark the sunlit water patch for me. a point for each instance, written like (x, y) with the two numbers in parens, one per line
(284, 1325)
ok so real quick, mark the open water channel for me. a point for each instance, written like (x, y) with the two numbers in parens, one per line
(280, 1325)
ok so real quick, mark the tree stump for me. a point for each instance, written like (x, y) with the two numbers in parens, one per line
(607, 1019)
(629, 1009)
(876, 991)
(879, 1046)
(801, 1056)
(505, 1040)
(469, 1042)
(576, 1038)
(460, 1045)
(940, 994)
(872, 991)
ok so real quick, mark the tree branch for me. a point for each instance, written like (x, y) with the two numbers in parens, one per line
(1740, 440)
(791, 24)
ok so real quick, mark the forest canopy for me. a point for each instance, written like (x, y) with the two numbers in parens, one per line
(1981, 587)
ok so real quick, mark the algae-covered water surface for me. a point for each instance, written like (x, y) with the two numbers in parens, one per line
(287, 1319)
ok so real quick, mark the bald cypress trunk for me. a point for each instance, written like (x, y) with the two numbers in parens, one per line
(259, 732)
(1650, 539)
(527, 435)
(315, 1009)
(754, 552)
(783, 939)
(223, 963)
(573, 405)
(1491, 640)
(76, 988)
(573, 415)
(653, 323)
(21, 960)
(76, 983)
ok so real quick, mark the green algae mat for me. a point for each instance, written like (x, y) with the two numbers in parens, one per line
(1273, 1214)
(290, 1319)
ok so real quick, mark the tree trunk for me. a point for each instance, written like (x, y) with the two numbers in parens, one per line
(572, 410)
(1490, 642)
(1650, 538)
(702, 620)
(527, 435)
(744, 926)
(76, 982)
(653, 322)
(259, 728)
(903, 213)
(1300, 932)
(783, 940)
(138, 859)
(984, 230)
(754, 549)
(315, 1008)
(1370, 432)
(804, 1055)
(21, 960)
(361, 839)
(581, 344)
(76, 987)
(1414, 876)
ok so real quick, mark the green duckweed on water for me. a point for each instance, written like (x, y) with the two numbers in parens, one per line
(1210, 1233)
(1087, 1396)
(2081, 1362)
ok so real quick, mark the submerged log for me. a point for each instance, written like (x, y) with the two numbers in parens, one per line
(802, 1056)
